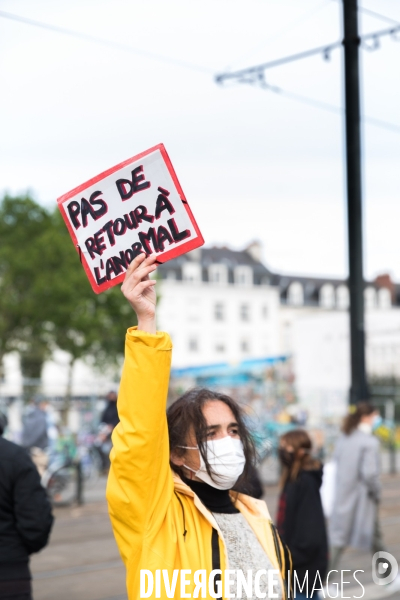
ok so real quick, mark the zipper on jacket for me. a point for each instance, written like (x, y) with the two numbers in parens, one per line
(183, 516)
(216, 559)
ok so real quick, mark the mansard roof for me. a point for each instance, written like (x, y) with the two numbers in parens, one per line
(262, 275)
(218, 255)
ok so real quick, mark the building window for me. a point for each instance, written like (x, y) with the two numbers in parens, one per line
(369, 297)
(384, 298)
(219, 311)
(193, 344)
(245, 346)
(295, 294)
(218, 274)
(243, 275)
(342, 297)
(191, 272)
(327, 296)
(244, 312)
(264, 312)
(220, 347)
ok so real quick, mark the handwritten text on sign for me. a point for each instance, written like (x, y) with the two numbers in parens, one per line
(135, 207)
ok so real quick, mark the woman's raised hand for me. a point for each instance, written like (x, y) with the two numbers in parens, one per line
(139, 290)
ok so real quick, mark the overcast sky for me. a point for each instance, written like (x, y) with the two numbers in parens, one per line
(253, 164)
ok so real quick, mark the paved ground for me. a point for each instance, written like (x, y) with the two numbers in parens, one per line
(82, 560)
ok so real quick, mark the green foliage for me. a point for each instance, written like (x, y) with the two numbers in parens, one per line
(46, 300)
(22, 326)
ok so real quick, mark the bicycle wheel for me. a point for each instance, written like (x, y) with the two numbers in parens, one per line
(62, 485)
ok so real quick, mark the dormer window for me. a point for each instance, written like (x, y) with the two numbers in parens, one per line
(342, 297)
(327, 296)
(243, 275)
(218, 274)
(295, 294)
(191, 272)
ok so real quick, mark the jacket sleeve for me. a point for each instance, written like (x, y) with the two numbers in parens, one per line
(140, 484)
(369, 469)
(32, 509)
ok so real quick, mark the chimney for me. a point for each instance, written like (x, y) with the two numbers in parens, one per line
(385, 281)
(255, 250)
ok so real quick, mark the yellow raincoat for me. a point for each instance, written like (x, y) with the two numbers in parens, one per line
(158, 521)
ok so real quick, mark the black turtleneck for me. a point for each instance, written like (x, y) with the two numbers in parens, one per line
(217, 501)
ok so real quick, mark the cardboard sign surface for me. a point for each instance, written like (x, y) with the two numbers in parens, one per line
(136, 206)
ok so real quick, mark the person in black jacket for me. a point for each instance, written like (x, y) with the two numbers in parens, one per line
(300, 521)
(25, 519)
(110, 413)
(109, 419)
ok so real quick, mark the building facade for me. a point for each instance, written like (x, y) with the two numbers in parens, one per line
(225, 306)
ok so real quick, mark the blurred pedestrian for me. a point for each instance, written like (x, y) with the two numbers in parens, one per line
(25, 519)
(354, 520)
(109, 419)
(109, 415)
(34, 425)
(300, 519)
(35, 433)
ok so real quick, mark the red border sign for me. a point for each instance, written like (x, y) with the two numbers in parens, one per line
(183, 247)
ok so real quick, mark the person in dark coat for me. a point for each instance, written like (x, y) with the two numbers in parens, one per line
(109, 419)
(300, 520)
(25, 519)
(110, 413)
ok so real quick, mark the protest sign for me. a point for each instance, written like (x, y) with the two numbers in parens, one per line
(136, 206)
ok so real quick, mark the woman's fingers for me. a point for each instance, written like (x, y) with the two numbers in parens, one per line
(141, 287)
(139, 269)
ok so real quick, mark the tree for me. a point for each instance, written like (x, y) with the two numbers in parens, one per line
(84, 325)
(22, 326)
(46, 301)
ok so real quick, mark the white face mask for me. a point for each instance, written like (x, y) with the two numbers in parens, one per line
(226, 459)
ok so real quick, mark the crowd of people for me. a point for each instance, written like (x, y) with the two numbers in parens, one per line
(183, 491)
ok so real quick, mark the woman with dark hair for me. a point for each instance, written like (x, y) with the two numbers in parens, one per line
(301, 522)
(354, 519)
(171, 486)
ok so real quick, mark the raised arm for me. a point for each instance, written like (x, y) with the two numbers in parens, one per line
(140, 484)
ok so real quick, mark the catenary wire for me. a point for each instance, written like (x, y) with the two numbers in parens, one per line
(323, 50)
(254, 71)
(376, 15)
(104, 42)
(324, 105)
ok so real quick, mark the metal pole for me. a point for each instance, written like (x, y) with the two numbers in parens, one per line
(351, 42)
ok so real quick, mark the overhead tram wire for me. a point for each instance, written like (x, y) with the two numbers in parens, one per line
(104, 42)
(256, 75)
(324, 105)
(376, 15)
(325, 51)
